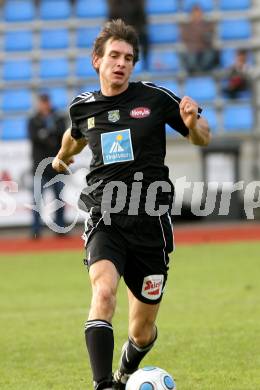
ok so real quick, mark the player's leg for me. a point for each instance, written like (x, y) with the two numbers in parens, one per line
(38, 190)
(102, 243)
(98, 330)
(142, 335)
(145, 275)
(104, 280)
(142, 317)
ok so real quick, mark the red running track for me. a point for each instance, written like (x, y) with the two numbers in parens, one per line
(183, 235)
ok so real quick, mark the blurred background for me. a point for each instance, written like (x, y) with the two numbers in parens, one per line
(207, 49)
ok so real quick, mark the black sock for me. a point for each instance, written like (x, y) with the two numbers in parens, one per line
(133, 354)
(100, 344)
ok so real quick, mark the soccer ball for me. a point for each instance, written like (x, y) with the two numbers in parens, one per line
(150, 378)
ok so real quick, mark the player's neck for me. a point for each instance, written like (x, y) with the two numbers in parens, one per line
(112, 90)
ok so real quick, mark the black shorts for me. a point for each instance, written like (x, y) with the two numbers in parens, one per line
(138, 246)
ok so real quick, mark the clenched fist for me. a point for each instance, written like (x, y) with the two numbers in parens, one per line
(189, 112)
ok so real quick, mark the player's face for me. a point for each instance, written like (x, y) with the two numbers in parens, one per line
(115, 66)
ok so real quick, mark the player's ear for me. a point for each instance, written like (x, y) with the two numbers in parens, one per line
(96, 62)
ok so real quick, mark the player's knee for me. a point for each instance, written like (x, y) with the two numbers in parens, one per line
(143, 334)
(104, 296)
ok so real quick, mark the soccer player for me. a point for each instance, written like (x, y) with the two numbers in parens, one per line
(129, 232)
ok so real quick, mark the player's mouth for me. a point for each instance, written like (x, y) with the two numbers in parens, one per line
(119, 73)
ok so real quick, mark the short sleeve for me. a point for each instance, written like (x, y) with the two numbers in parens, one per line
(75, 131)
(172, 112)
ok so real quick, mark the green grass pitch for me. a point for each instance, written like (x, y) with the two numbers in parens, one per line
(209, 322)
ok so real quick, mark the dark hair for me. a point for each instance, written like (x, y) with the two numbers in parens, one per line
(44, 97)
(117, 30)
(242, 52)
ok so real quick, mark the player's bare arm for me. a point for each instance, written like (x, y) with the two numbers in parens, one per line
(69, 147)
(199, 133)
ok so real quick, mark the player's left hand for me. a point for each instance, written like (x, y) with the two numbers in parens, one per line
(189, 112)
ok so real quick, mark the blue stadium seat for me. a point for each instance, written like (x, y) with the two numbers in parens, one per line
(163, 33)
(85, 36)
(206, 5)
(14, 128)
(84, 67)
(18, 10)
(16, 100)
(15, 70)
(201, 88)
(244, 95)
(91, 9)
(163, 61)
(55, 9)
(210, 114)
(54, 39)
(18, 40)
(227, 57)
(235, 29)
(59, 97)
(232, 5)
(161, 7)
(238, 118)
(169, 84)
(54, 68)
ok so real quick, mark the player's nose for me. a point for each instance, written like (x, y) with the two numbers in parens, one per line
(121, 62)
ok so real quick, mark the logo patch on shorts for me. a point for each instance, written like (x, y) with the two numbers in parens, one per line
(117, 146)
(152, 287)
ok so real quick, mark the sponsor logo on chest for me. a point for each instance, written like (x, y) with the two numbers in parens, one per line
(91, 122)
(152, 287)
(117, 146)
(113, 116)
(140, 112)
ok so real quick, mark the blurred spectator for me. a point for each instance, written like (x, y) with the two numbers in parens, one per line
(45, 129)
(197, 35)
(238, 76)
(133, 13)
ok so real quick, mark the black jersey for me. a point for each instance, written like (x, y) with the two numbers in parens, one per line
(126, 134)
